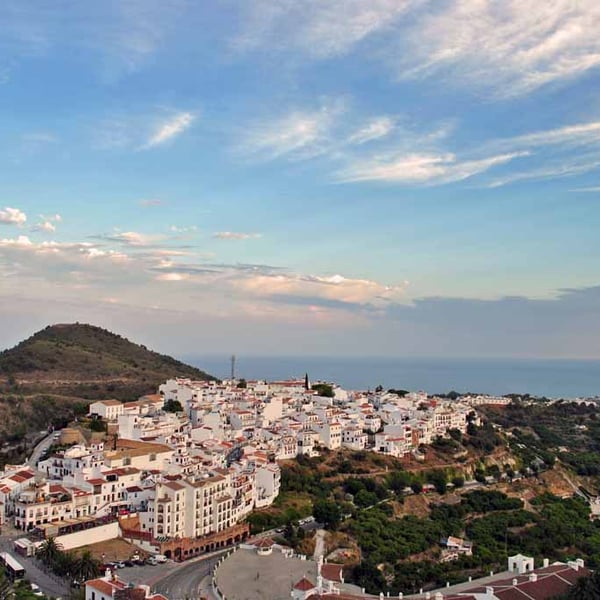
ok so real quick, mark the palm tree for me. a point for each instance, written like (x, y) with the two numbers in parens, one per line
(49, 552)
(86, 567)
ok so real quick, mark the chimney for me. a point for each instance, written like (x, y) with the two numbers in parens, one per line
(514, 582)
(439, 596)
(573, 565)
(546, 562)
(533, 577)
(489, 591)
(580, 562)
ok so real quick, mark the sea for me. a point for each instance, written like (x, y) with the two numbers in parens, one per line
(555, 378)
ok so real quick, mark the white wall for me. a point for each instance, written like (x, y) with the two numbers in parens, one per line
(89, 536)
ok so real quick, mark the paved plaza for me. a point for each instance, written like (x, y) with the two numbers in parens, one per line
(247, 576)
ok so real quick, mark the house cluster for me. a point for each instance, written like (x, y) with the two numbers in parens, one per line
(286, 418)
(149, 464)
(195, 458)
(521, 580)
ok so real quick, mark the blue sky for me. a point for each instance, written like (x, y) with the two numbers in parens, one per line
(303, 176)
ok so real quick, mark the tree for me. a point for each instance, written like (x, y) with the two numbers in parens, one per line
(86, 567)
(306, 383)
(324, 389)
(242, 384)
(328, 513)
(172, 406)
(49, 552)
(416, 487)
(586, 588)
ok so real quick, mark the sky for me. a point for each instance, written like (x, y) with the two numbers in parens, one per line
(326, 177)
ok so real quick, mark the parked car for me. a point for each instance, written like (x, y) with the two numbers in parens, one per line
(119, 564)
(128, 563)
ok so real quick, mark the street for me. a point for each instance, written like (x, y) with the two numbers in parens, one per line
(36, 454)
(50, 584)
(178, 581)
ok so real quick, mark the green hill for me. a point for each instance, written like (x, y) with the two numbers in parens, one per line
(86, 362)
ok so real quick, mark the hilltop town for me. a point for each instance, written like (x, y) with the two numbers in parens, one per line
(187, 471)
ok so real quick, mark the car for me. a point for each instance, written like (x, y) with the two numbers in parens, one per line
(128, 563)
(119, 564)
(35, 587)
(151, 561)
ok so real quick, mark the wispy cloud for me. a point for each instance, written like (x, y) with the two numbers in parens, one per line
(232, 235)
(433, 169)
(150, 202)
(47, 223)
(13, 216)
(170, 129)
(131, 238)
(297, 134)
(564, 168)
(315, 27)
(506, 47)
(373, 130)
(581, 133)
(509, 47)
(117, 37)
(587, 189)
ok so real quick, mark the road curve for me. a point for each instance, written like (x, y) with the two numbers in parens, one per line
(188, 582)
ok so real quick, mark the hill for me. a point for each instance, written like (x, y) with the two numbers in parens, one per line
(50, 378)
(87, 362)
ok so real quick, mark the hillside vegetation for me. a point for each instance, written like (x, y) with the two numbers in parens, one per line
(52, 376)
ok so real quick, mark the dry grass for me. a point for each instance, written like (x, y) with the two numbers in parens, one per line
(111, 550)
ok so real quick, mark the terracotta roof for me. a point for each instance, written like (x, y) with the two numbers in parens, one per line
(109, 402)
(332, 572)
(304, 585)
(266, 543)
(173, 485)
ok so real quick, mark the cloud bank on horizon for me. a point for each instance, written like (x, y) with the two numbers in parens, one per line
(397, 176)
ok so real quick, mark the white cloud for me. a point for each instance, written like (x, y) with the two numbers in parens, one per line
(232, 235)
(335, 288)
(587, 189)
(320, 29)
(172, 277)
(131, 238)
(509, 46)
(553, 171)
(47, 224)
(422, 168)
(117, 37)
(582, 133)
(13, 216)
(373, 130)
(189, 229)
(170, 129)
(147, 203)
(299, 134)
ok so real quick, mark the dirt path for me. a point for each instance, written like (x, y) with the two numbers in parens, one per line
(319, 544)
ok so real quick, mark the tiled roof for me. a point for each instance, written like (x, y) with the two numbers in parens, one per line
(304, 585)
